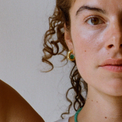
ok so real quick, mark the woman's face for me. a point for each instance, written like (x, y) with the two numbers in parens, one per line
(96, 40)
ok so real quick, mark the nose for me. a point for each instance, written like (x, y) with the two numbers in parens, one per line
(114, 34)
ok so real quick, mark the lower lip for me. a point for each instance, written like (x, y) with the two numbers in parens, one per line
(113, 68)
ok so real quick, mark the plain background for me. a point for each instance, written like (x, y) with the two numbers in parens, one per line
(22, 26)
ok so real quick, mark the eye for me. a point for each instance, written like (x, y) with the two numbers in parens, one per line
(94, 21)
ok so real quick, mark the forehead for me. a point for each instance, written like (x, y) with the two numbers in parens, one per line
(106, 4)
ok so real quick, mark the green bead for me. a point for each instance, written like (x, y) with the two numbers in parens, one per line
(72, 56)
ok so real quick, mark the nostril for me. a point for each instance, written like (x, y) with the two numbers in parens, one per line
(110, 46)
(121, 45)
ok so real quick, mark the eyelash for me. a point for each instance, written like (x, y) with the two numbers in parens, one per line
(101, 21)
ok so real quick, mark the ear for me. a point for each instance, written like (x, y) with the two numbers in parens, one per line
(68, 38)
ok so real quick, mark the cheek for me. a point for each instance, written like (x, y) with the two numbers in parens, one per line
(88, 47)
(84, 54)
(86, 44)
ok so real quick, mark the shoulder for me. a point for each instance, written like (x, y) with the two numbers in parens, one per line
(14, 108)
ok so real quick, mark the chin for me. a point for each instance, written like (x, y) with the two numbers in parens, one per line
(114, 90)
(111, 88)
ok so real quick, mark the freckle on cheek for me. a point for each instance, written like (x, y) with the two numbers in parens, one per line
(85, 51)
(105, 117)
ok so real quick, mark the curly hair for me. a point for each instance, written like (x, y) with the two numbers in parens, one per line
(57, 46)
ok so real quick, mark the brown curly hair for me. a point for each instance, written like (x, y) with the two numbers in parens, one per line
(58, 46)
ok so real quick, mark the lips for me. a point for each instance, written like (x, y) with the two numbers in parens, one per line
(114, 65)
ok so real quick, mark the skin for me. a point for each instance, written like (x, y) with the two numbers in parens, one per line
(94, 41)
(13, 108)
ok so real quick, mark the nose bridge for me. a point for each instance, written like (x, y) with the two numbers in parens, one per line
(117, 30)
(115, 36)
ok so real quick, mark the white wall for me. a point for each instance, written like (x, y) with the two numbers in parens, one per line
(22, 26)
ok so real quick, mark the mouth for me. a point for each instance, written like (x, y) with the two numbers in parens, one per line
(114, 65)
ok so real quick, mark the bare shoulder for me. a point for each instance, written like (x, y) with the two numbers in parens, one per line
(14, 108)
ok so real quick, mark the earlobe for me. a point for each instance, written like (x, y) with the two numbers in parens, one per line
(68, 39)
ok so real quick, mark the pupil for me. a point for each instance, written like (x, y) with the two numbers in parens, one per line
(95, 21)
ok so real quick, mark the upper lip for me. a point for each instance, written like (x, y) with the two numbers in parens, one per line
(112, 62)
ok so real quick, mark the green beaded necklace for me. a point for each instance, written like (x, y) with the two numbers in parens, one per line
(76, 115)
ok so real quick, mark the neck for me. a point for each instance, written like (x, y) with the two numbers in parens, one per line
(101, 107)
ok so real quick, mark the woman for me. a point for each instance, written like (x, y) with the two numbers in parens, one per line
(13, 108)
(92, 32)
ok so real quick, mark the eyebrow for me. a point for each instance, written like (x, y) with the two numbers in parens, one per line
(82, 8)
